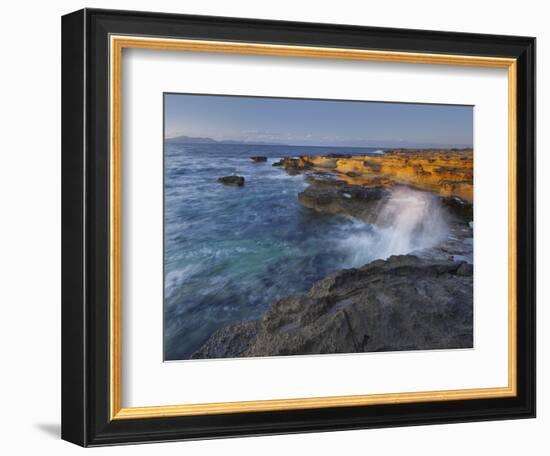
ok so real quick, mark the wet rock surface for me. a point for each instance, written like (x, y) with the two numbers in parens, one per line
(232, 180)
(293, 165)
(403, 303)
(459, 207)
(337, 197)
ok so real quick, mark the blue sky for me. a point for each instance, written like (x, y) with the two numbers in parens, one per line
(318, 122)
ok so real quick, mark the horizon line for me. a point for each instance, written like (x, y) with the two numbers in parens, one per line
(267, 143)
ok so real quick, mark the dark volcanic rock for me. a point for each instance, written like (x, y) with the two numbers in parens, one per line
(459, 206)
(232, 180)
(403, 303)
(258, 159)
(335, 197)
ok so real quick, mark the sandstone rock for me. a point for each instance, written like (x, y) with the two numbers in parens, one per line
(448, 172)
(403, 303)
(232, 180)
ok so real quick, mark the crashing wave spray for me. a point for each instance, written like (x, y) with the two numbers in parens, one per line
(409, 220)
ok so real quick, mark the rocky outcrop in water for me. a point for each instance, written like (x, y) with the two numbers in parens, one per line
(259, 159)
(403, 303)
(336, 197)
(232, 180)
(293, 165)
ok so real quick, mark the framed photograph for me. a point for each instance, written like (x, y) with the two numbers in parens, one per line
(278, 227)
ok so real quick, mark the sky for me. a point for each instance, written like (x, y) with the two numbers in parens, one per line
(305, 122)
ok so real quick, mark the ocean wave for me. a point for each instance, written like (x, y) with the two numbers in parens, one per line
(410, 220)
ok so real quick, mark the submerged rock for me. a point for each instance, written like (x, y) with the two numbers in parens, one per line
(258, 159)
(403, 303)
(232, 180)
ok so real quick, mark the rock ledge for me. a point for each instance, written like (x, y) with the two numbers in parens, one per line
(403, 303)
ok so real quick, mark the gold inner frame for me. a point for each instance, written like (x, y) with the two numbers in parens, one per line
(117, 44)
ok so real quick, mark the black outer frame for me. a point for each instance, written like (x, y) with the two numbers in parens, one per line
(85, 227)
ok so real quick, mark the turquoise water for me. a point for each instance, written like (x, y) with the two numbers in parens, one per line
(231, 251)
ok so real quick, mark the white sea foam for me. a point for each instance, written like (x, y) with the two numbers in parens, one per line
(410, 220)
(175, 278)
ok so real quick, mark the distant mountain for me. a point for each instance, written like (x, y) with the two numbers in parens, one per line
(198, 140)
(252, 143)
(189, 140)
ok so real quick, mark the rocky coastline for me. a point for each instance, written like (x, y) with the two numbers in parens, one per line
(416, 301)
(448, 173)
